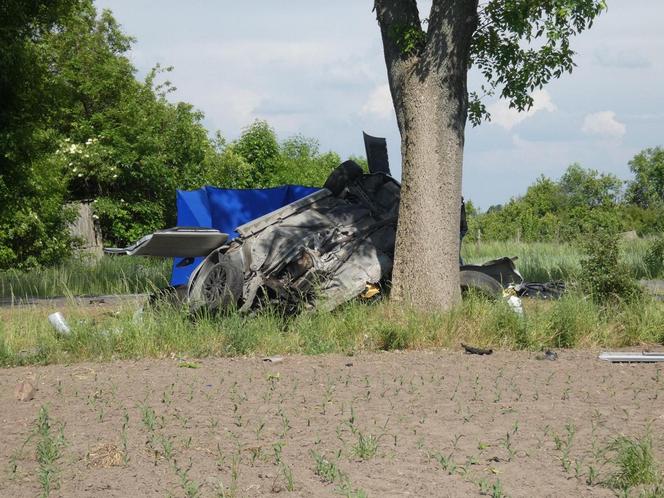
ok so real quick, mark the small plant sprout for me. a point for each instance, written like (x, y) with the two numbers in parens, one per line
(288, 477)
(366, 446)
(148, 417)
(446, 462)
(509, 446)
(48, 451)
(123, 437)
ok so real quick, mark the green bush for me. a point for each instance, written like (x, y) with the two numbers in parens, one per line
(604, 274)
(654, 258)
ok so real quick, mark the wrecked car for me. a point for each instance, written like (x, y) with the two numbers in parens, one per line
(320, 251)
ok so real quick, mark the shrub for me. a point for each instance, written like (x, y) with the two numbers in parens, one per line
(654, 258)
(603, 273)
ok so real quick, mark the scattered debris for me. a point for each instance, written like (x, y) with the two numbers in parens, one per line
(474, 350)
(628, 357)
(370, 291)
(25, 391)
(548, 355)
(515, 303)
(106, 455)
(543, 290)
(273, 359)
(58, 322)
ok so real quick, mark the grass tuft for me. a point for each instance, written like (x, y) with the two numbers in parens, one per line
(635, 462)
(48, 452)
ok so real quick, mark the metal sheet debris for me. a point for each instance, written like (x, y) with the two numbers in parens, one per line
(629, 357)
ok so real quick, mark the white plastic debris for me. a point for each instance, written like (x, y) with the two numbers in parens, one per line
(58, 322)
(515, 303)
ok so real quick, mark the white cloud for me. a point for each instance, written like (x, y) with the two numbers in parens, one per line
(508, 117)
(621, 58)
(236, 105)
(252, 53)
(603, 124)
(379, 102)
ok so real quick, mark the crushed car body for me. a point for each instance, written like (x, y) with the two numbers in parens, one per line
(319, 251)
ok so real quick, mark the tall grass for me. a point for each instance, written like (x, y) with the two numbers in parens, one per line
(164, 331)
(546, 261)
(76, 277)
(573, 321)
(538, 262)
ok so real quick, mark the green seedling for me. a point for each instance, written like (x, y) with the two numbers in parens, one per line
(366, 446)
(123, 437)
(48, 451)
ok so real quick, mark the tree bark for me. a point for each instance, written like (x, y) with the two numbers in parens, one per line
(428, 87)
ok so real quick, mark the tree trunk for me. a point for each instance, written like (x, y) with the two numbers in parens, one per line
(426, 267)
(428, 86)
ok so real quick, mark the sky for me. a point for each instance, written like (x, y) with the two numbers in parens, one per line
(316, 68)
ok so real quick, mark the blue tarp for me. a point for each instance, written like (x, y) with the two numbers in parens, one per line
(227, 209)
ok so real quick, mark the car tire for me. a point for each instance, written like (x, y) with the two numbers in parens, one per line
(475, 281)
(217, 285)
(343, 175)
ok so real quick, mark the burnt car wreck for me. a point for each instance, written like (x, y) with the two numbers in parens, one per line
(317, 252)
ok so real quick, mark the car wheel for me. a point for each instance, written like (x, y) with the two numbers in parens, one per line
(475, 281)
(217, 286)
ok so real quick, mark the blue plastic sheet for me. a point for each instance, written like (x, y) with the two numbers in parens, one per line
(227, 209)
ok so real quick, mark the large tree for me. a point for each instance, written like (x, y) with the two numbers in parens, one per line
(517, 45)
(647, 188)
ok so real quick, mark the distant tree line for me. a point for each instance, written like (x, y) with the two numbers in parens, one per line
(579, 203)
(76, 124)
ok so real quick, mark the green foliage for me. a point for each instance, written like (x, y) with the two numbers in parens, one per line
(635, 462)
(654, 258)
(520, 45)
(31, 186)
(259, 147)
(81, 127)
(582, 200)
(647, 188)
(268, 163)
(410, 39)
(603, 272)
(27, 337)
(589, 187)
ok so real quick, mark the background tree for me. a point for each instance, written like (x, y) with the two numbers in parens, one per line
(32, 189)
(76, 124)
(589, 187)
(518, 45)
(647, 188)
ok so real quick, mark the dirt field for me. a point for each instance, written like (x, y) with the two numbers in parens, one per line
(392, 424)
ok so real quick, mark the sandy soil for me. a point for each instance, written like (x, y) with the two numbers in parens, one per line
(445, 423)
